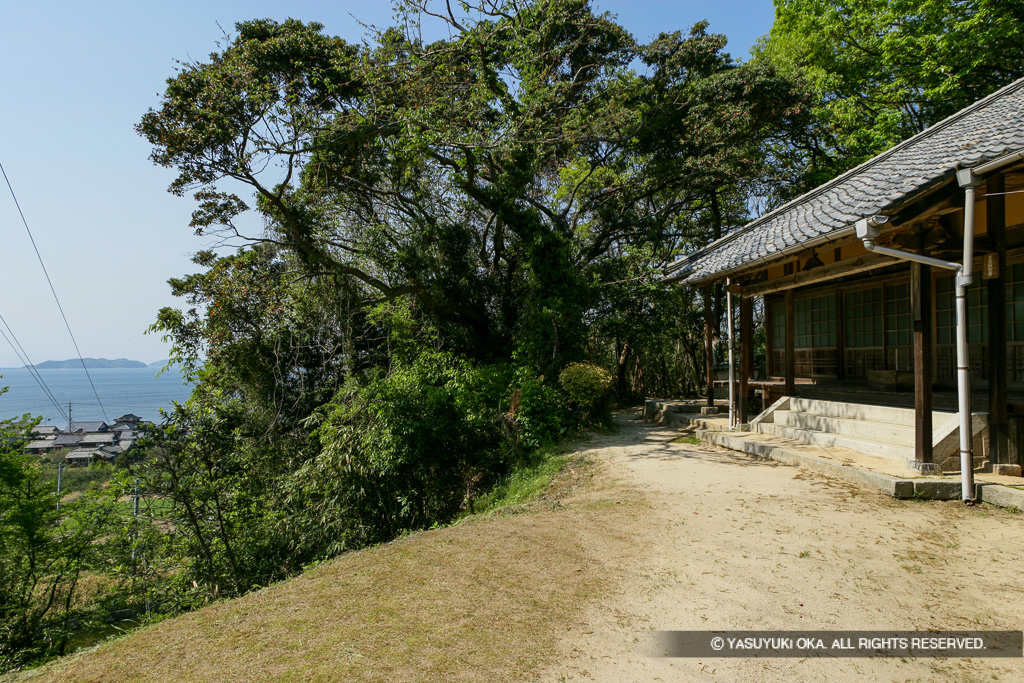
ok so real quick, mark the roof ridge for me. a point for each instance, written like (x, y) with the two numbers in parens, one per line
(821, 189)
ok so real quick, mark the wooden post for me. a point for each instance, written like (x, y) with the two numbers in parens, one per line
(995, 213)
(709, 362)
(921, 310)
(746, 353)
(790, 340)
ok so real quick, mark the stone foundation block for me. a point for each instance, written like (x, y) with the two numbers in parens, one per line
(924, 467)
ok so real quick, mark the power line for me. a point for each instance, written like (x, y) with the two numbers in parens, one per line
(54, 292)
(27, 362)
(23, 356)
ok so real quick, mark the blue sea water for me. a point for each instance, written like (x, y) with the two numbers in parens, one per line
(121, 391)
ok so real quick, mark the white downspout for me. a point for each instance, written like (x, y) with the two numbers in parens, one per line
(867, 230)
(732, 366)
(968, 181)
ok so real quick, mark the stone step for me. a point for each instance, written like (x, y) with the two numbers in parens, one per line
(893, 434)
(859, 411)
(887, 451)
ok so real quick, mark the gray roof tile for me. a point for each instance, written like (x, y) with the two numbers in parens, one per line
(985, 130)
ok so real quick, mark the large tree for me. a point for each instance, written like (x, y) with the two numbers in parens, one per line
(883, 70)
(489, 175)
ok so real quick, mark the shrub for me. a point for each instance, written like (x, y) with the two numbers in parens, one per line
(405, 449)
(589, 390)
(539, 411)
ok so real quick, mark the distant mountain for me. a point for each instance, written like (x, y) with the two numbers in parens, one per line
(89, 363)
(158, 364)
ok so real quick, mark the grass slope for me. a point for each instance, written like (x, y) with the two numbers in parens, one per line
(482, 600)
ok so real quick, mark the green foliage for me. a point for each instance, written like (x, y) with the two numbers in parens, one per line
(540, 413)
(45, 552)
(489, 176)
(77, 479)
(445, 227)
(526, 481)
(589, 388)
(222, 487)
(883, 70)
(407, 447)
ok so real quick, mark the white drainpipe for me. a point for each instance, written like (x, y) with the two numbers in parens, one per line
(732, 367)
(867, 230)
(968, 181)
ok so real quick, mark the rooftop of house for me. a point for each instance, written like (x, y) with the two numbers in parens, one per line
(988, 129)
(88, 427)
(97, 438)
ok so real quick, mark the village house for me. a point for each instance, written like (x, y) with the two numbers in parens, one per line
(898, 284)
(85, 442)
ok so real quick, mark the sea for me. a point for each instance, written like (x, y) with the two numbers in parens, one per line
(121, 391)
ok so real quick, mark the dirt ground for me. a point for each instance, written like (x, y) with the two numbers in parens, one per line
(652, 535)
(731, 543)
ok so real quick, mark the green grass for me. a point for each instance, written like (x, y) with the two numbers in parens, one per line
(690, 439)
(525, 482)
(78, 479)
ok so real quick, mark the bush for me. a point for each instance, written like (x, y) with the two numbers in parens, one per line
(540, 411)
(405, 450)
(589, 390)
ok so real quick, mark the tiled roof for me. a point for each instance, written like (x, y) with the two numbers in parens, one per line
(99, 437)
(987, 129)
(88, 427)
(67, 440)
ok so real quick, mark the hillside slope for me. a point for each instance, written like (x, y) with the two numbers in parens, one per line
(480, 600)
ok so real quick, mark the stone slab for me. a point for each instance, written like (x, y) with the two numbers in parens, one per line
(897, 487)
(1003, 496)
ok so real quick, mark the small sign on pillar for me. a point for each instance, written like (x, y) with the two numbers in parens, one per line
(990, 266)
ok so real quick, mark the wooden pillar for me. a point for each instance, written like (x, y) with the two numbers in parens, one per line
(746, 353)
(995, 213)
(921, 308)
(709, 361)
(790, 341)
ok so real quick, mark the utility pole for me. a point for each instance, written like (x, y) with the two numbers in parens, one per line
(69, 417)
(135, 522)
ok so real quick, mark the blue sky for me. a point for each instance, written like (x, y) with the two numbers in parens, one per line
(77, 76)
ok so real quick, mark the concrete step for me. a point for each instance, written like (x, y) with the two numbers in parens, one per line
(860, 411)
(879, 449)
(893, 434)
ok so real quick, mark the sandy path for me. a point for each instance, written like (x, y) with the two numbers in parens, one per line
(732, 543)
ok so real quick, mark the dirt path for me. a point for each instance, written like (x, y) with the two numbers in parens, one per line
(732, 543)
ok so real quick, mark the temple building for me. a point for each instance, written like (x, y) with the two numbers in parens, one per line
(857, 284)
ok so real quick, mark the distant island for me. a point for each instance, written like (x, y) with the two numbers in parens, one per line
(89, 363)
